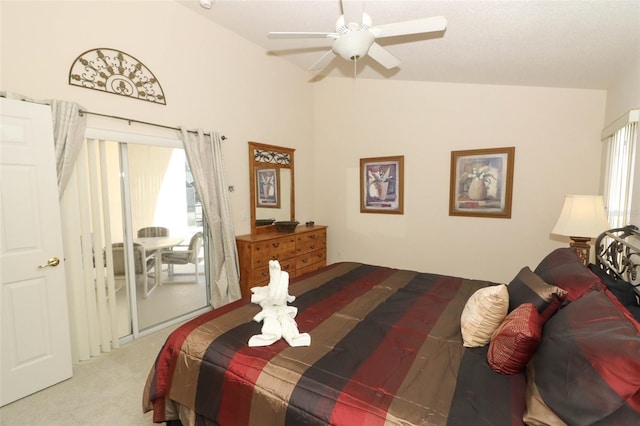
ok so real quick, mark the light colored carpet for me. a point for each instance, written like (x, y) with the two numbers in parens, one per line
(106, 390)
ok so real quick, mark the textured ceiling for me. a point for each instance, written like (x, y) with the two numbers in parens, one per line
(578, 44)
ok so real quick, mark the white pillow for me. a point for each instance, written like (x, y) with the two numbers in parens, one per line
(482, 314)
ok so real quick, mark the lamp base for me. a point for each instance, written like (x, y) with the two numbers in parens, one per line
(581, 244)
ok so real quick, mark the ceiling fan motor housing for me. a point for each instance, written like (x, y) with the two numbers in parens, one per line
(354, 44)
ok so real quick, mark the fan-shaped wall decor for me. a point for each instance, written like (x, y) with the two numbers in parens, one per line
(113, 71)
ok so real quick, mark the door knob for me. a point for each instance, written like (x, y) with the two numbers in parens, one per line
(54, 261)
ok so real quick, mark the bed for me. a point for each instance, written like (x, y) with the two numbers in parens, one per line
(559, 344)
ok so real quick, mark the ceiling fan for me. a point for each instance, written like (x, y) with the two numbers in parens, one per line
(355, 36)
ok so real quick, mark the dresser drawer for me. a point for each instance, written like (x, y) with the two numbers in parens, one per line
(260, 276)
(277, 249)
(304, 260)
(311, 241)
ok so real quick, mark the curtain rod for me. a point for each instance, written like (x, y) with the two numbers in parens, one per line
(3, 94)
(131, 120)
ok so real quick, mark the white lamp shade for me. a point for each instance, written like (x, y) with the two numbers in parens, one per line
(582, 216)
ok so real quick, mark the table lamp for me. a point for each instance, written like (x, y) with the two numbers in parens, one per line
(582, 218)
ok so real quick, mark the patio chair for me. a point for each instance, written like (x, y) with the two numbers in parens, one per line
(185, 257)
(153, 231)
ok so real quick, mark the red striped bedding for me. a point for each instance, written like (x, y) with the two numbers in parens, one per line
(385, 349)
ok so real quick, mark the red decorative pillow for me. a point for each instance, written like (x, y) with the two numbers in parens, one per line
(515, 340)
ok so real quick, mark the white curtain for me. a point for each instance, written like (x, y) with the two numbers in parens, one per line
(90, 281)
(621, 172)
(84, 199)
(84, 202)
(68, 132)
(204, 154)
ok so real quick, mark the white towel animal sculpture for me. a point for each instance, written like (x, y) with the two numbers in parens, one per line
(276, 316)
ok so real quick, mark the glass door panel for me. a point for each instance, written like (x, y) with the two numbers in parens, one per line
(154, 205)
(165, 228)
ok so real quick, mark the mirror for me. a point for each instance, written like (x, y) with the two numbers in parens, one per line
(271, 185)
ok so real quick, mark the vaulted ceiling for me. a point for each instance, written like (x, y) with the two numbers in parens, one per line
(567, 43)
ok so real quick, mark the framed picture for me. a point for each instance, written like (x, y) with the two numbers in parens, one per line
(268, 193)
(481, 182)
(381, 184)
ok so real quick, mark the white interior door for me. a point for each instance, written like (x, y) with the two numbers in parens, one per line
(35, 346)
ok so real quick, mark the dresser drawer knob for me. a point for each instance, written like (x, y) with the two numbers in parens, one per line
(275, 257)
(275, 244)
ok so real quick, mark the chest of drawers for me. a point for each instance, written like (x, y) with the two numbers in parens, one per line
(298, 252)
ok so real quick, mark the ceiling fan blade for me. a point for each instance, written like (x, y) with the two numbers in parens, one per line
(415, 26)
(321, 63)
(352, 11)
(382, 55)
(301, 35)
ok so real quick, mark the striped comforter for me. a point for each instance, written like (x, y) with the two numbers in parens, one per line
(385, 349)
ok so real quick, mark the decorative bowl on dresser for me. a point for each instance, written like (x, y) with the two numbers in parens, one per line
(301, 251)
(286, 226)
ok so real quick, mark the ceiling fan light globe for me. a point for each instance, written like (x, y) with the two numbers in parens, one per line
(353, 45)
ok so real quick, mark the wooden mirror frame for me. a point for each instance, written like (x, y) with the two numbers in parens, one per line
(273, 156)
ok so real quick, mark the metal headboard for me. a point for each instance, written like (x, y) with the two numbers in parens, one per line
(618, 255)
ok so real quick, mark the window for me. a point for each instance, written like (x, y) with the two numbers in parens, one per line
(621, 139)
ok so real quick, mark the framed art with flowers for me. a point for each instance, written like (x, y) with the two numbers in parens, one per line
(382, 185)
(268, 193)
(481, 182)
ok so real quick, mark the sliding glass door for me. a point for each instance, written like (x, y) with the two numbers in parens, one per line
(157, 224)
(164, 226)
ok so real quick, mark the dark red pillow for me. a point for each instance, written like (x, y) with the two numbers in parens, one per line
(515, 340)
(564, 268)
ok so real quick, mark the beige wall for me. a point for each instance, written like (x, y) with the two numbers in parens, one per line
(624, 94)
(556, 136)
(211, 78)
(215, 80)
